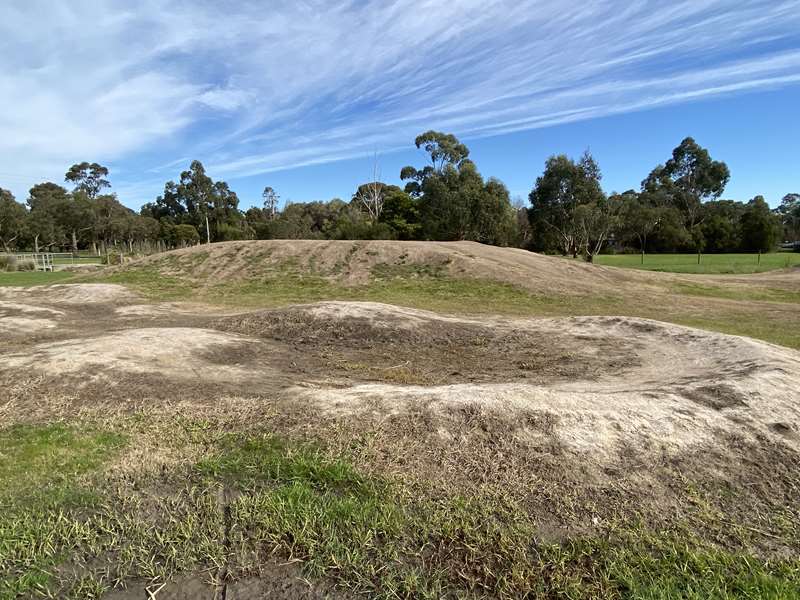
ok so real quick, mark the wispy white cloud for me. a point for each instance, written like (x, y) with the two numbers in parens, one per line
(251, 87)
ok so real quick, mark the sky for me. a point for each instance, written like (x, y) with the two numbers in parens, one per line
(303, 95)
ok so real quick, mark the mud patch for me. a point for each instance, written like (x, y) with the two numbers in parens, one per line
(22, 325)
(718, 397)
(364, 341)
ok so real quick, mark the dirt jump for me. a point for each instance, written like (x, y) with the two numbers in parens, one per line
(606, 411)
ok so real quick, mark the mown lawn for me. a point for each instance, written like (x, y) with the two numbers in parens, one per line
(708, 264)
(28, 278)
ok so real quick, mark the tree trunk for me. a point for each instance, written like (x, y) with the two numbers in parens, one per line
(208, 232)
(74, 242)
(36, 243)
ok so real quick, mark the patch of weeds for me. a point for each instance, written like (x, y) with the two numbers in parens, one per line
(655, 567)
(398, 271)
(88, 587)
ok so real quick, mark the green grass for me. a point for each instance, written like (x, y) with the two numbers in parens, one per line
(38, 459)
(427, 289)
(371, 536)
(709, 263)
(78, 260)
(739, 293)
(430, 289)
(294, 501)
(41, 468)
(148, 282)
(29, 278)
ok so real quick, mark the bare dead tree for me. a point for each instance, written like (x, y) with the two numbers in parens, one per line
(371, 195)
(270, 201)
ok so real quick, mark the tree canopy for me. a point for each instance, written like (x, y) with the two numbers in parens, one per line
(678, 207)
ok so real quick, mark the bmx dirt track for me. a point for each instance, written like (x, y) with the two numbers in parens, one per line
(580, 418)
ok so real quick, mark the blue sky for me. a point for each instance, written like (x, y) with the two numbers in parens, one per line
(302, 95)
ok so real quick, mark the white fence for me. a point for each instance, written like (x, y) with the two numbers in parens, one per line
(48, 261)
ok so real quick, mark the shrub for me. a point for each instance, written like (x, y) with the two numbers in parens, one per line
(113, 258)
(7, 263)
(26, 265)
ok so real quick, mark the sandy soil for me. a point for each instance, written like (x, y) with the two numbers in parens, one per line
(580, 418)
(609, 385)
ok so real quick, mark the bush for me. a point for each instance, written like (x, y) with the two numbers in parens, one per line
(26, 265)
(112, 258)
(7, 263)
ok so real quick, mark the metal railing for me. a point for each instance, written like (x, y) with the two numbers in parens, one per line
(48, 261)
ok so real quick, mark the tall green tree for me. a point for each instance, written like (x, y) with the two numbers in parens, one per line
(48, 203)
(789, 213)
(400, 213)
(196, 190)
(12, 220)
(89, 178)
(686, 180)
(638, 219)
(760, 226)
(444, 150)
(454, 201)
(721, 225)
(270, 198)
(559, 191)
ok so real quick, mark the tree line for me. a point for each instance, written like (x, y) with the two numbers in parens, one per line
(53, 218)
(678, 207)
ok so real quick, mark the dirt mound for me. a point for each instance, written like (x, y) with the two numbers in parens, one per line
(602, 384)
(83, 293)
(356, 262)
(17, 318)
(177, 352)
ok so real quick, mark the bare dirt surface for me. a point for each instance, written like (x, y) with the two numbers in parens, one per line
(607, 385)
(582, 419)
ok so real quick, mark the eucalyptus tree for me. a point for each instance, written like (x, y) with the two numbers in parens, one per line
(89, 178)
(12, 220)
(686, 180)
(559, 191)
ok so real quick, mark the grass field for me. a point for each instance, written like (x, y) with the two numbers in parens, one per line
(298, 502)
(78, 260)
(28, 278)
(709, 263)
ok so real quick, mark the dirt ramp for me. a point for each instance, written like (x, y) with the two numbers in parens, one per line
(358, 262)
(174, 352)
(69, 294)
(604, 385)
